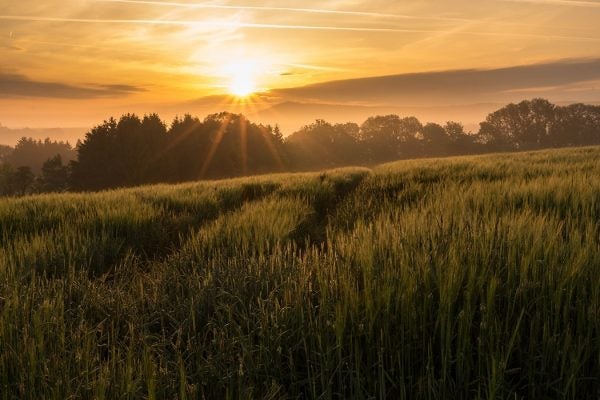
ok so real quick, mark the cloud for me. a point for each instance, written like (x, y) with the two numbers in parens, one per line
(210, 24)
(283, 9)
(12, 47)
(122, 88)
(16, 85)
(247, 25)
(455, 86)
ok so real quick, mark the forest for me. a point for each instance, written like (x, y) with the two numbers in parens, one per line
(137, 150)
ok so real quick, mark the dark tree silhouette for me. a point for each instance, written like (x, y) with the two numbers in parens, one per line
(133, 151)
(436, 140)
(123, 153)
(461, 142)
(55, 175)
(96, 166)
(322, 144)
(21, 181)
(575, 125)
(182, 158)
(238, 147)
(523, 126)
(390, 137)
(380, 135)
(6, 173)
(5, 152)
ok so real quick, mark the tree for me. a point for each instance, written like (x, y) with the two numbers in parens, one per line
(96, 167)
(122, 153)
(390, 137)
(21, 181)
(142, 145)
(575, 125)
(5, 152)
(6, 173)
(522, 126)
(227, 144)
(435, 139)
(55, 175)
(351, 129)
(461, 142)
(182, 159)
(322, 144)
(277, 133)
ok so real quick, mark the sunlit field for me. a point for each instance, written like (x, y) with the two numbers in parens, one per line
(471, 277)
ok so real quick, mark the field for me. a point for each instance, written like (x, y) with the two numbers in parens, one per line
(472, 277)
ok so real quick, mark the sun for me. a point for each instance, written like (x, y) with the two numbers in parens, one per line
(242, 85)
(242, 78)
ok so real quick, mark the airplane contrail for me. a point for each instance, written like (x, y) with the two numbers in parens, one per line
(209, 24)
(313, 10)
(288, 9)
(240, 25)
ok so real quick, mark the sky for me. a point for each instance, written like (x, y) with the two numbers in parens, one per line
(74, 63)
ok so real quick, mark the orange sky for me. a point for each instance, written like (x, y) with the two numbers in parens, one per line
(76, 62)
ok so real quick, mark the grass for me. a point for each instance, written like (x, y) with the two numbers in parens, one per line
(471, 277)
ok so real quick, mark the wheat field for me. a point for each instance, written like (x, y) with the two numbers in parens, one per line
(469, 277)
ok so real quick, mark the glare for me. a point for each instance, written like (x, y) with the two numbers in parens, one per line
(242, 86)
(242, 78)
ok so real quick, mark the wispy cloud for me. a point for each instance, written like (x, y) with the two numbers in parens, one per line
(12, 47)
(16, 85)
(175, 5)
(248, 25)
(210, 24)
(453, 86)
(286, 9)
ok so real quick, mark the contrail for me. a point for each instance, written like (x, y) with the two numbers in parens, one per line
(574, 3)
(240, 25)
(210, 24)
(288, 9)
(313, 10)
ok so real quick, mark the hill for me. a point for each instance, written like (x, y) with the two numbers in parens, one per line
(468, 277)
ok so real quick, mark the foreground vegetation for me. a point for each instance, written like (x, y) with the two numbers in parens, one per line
(473, 277)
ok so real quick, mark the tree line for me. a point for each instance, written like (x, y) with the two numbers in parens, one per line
(134, 151)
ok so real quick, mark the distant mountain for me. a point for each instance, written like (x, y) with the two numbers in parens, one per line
(10, 136)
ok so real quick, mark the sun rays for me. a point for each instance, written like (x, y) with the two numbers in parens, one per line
(240, 126)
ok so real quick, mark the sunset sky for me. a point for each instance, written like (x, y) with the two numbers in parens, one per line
(76, 62)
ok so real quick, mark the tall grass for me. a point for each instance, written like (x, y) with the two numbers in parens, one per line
(471, 277)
